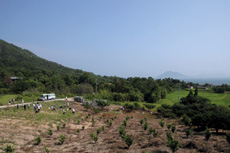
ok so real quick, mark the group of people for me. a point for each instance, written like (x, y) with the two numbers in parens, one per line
(12, 101)
(37, 107)
(73, 111)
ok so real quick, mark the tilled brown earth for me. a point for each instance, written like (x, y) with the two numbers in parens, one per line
(21, 133)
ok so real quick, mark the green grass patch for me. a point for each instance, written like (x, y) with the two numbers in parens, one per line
(4, 99)
(44, 116)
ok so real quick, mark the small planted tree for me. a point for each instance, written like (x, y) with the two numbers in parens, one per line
(83, 127)
(169, 126)
(122, 132)
(87, 106)
(61, 139)
(9, 149)
(173, 129)
(46, 149)
(124, 123)
(189, 132)
(207, 133)
(173, 144)
(162, 123)
(150, 130)
(58, 127)
(103, 128)
(169, 135)
(92, 121)
(127, 118)
(78, 122)
(37, 140)
(78, 130)
(110, 124)
(186, 120)
(145, 126)
(94, 137)
(128, 141)
(98, 131)
(50, 132)
(141, 122)
(155, 133)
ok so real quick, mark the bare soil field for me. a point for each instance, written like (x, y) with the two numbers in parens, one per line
(20, 132)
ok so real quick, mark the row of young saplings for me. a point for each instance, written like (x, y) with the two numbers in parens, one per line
(172, 143)
(95, 135)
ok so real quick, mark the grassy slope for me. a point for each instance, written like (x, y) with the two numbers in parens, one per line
(216, 98)
(46, 115)
(4, 99)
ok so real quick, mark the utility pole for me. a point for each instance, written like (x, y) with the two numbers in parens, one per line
(179, 93)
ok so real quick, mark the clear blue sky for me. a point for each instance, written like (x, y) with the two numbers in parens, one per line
(126, 38)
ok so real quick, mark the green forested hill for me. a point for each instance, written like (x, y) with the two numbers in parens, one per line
(38, 75)
(14, 59)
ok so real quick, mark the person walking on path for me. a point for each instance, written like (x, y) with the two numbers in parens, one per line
(22, 102)
(34, 107)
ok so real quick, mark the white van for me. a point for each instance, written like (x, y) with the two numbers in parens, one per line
(44, 97)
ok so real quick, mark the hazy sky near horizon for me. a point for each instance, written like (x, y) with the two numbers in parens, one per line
(126, 38)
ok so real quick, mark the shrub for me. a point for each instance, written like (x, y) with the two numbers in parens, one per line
(46, 149)
(9, 149)
(110, 124)
(162, 123)
(128, 141)
(91, 134)
(189, 132)
(173, 129)
(58, 127)
(87, 106)
(96, 110)
(61, 138)
(124, 123)
(98, 131)
(122, 132)
(83, 127)
(228, 137)
(169, 135)
(149, 106)
(155, 133)
(103, 128)
(173, 144)
(78, 130)
(37, 140)
(92, 121)
(94, 137)
(186, 120)
(50, 132)
(141, 122)
(207, 133)
(64, 125)
(127, 118)
(150, 130)
(169, 126)
(145, 126)
(78, 122)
